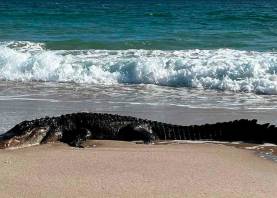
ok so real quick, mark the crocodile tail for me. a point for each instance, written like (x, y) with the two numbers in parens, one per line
(237, 130)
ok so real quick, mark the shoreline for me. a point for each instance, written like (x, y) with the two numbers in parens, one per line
(124, 169)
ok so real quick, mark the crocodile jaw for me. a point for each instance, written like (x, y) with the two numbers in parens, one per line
(30, 137)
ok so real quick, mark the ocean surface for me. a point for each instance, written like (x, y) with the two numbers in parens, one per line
(139, 55)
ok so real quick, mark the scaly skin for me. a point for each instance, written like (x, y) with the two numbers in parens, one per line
(76, 128)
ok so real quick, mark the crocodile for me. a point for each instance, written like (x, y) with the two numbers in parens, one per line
(74, 129)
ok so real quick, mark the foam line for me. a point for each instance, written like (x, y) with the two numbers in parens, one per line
(221, 69)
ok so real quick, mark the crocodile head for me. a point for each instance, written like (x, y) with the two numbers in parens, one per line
(25, 134)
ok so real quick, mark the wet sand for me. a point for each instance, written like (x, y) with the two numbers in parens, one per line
(122, 169)
(13, 112)
(27, 101)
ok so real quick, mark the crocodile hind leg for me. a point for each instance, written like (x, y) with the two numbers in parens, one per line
(78, 139)
(137, 132)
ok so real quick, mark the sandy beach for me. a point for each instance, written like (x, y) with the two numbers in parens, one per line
(183, 63)
(122, 169)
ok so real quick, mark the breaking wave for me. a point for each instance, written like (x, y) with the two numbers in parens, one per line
(221, 69)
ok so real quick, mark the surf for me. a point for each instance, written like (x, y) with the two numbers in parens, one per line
(215, 69)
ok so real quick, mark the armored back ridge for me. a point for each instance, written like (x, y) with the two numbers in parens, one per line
(76, 128)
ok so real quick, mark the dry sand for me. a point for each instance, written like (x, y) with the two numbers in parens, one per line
(116, 169)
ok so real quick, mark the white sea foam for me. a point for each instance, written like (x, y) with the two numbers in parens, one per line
(222, 69)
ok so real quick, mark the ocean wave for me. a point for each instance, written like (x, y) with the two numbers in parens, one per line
(221, 69)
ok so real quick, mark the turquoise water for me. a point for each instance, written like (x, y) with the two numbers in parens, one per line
(142, 24)
(200, 44)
